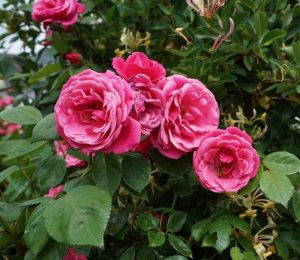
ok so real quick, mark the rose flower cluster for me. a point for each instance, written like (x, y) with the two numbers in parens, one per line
(112, 111)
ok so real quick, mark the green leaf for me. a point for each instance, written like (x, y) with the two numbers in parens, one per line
(180, 246)
(51, 172)
(23, 115)
(156, 238)
(176, 257)
(271, 36)
(296, 205)
(146, 222)
(35, 234)
(282, 162)
(296, 52)
(136, 171)
(238, 223)
(170, 166)
(253, 184)
(80, 217)
(277, 187)
(129, 254)
(9, 211)
(106, 172)
(281, 248)
(57, 84)
(7, 172)
(45, 129)
(44, 72)
(176, 221)
(200, 228)
(17, 148)
(34, 201)
(236, 254)
(60, 44)
(222, 227)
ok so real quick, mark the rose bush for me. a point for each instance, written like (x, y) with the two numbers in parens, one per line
(149, 129)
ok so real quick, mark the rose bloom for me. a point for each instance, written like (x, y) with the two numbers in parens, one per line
(74, 58)
(6, 101)
(53, 192)
(61, 149)
(71, 255)
(191, 111)
(225, 160)
(149, 103)
(138, 63)
(92, 113)
(64, 12)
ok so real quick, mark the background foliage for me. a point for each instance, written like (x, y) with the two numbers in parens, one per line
(157, 209)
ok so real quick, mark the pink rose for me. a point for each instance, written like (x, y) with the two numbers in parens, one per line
(191, 110)
(53, 192)
(61, 149)
(149, 103)
(71, 255)
(225, 160)
(64, 12)
(11, 128)
(138, 63)
(143, 147)
(6, 101)
(74, 58)
(92, 113)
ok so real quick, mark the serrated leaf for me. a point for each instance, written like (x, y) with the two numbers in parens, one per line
(180, 246)
(50, 172)
(156, 238)
(23, 115)
(80, 217)
(146, 222)
(222, 227)
(35, 201)
(35, 234)
(136, 171)
(44, 72)
(282, 162)
(106, 172)
(176, 221)
(7, 172)
(277, 187)
(45, 129)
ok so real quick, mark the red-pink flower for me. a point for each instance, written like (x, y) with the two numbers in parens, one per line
(149, 103)
(225, 160)
(71, 255)
(74, 58)
(143, 147)
(61, 148)
(138, 63)
(6, 101)
(191, 111)
(53, 192)
(64, 12)
(92, 113)
(11, 128)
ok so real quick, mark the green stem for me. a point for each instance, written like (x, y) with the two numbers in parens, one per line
(14, 238)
